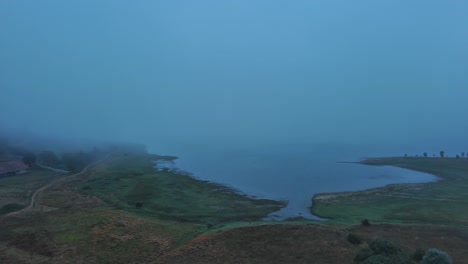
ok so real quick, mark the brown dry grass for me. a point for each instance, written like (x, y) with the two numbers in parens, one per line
(312, 244)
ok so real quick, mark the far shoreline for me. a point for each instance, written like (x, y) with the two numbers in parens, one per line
(388, 203)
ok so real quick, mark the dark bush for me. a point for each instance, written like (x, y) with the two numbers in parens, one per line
(354, 239)
(139, 205)
(363, 254)
(85, 188)
(381, 252)
(384, 247)
(365, 222)
(435, 256)
(418, 255)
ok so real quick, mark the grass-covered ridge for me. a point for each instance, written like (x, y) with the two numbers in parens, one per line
(131, 182)
(443, 202)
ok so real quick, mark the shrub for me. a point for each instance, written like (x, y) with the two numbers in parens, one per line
(363, 254)
(384, 247)
(354, 239)
(418, 255)
(381, 252)
(435, 256)
(365, 222)
(139, 205)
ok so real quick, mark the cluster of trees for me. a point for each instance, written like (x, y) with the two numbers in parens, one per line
(441, 154)
(76, 161)
(48, 158)
(29, 157)
(71, 161)
(17, 148)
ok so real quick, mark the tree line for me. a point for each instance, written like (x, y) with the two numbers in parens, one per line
(441, 155)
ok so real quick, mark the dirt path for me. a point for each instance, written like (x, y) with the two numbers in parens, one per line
(33, 201)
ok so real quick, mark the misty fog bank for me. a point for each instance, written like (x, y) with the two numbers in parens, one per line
(236, 73)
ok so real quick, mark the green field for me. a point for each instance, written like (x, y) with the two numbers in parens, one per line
(131, 183)
(444, 202)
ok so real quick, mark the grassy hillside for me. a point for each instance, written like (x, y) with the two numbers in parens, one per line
(131, 183)
(443, 202)
(122, 211)
(16, 190)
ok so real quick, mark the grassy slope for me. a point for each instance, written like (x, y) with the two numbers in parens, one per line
(131, 180)
(15, 191)
(443, 202)
(311, 243)
(80, 228)
(88, 235)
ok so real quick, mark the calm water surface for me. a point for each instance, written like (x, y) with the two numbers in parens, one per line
(291, 173)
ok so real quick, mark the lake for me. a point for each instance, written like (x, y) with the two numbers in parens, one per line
(292, 172)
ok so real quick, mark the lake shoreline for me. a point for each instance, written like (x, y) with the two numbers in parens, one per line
(373, 162)
(381, 161)
(405, 202)
(298, 196)
(338, 196)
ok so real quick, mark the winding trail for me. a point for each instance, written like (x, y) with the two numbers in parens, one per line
(52, 169)
(32, 203)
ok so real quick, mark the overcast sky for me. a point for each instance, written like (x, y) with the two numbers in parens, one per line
(238, 71)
